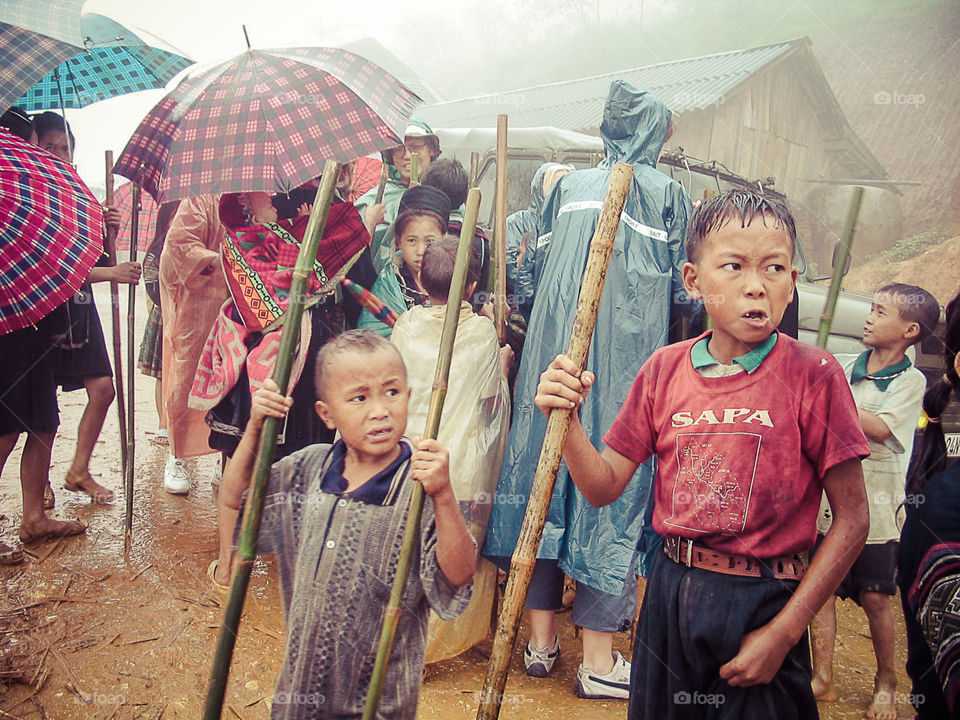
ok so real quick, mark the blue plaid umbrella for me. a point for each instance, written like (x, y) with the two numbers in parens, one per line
(34, 38)
(117, 60)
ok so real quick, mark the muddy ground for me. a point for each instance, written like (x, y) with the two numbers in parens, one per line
(86, 632)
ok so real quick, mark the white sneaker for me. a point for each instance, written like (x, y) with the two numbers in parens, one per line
(539, 661)
(615, 684)
(175, 478)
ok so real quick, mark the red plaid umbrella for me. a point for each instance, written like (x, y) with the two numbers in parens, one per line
(123, 200)
(51, 229)
(266, 120)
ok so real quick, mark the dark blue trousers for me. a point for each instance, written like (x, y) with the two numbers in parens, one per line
(692, 621)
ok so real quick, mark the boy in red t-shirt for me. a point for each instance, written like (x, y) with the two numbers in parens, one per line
(748, 427)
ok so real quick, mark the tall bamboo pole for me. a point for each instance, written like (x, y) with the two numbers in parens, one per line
(253, 512)
(382, 185)
(500, 233)
(474, 168)
(525, 555)
(131, 377)
(839, 265)
(111, 248)
(414, 170)
(411, 535)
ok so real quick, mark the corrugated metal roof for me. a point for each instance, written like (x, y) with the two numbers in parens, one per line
(684, 85)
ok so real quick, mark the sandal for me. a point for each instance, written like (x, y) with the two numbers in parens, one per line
(49, 499)
(212, 574)
(69, 529)
(9, 555)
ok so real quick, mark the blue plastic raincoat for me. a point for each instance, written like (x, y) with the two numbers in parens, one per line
(597, 546)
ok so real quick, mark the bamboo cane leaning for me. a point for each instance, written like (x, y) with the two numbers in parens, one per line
(253, 512)
(414, 170)
(839, 266)
(525, 555)
(500, 233)
(411, 536)
(131, 377)
(111, 248)
(382, 185)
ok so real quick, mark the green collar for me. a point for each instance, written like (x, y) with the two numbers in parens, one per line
(882, 378)
(700, 356)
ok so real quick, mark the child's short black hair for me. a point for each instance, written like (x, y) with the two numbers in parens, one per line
(914, 304)
(439, 259)
(400, 224)
(18, 122)
(50, 121)
(745, 205)
(450, 177)
(362, 341)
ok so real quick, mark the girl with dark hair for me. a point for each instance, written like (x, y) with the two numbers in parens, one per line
(928, 571)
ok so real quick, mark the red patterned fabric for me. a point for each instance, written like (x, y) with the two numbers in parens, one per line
(366, 175)
(51, 232)
(266, 120)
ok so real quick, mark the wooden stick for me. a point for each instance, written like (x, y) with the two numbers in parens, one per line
(384, 176)
(111, 248)
(411, 535)
(414, 170)
(525, 554)
(500, 233)
(289, 338)
(131, 362)
(839, 267)
(474, 168)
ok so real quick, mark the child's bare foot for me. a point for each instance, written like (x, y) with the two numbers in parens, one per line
(47, 529)
(824, 690)
(884, 705)
(85, 483)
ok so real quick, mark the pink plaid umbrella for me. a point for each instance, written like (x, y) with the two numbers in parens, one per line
(123, 200)
(51, 229)
(266, 120)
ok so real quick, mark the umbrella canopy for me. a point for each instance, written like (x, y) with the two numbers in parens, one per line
(34, 38)
(147, 222)
(116, 60)
(266, 120)
(51, 229)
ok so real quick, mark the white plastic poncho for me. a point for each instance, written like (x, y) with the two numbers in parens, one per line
(473, 428)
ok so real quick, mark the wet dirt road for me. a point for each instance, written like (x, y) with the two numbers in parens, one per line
(107, 636)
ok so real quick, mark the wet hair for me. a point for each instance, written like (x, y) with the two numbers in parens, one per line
(732, 205)
(352, 341)
(450, 177)
(18, 122)
(50, 121)
(407, 215)
(930, 453)
(436, 271)
(914, 304)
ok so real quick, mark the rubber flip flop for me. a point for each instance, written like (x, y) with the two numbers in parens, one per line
(9, 555)
(73, 527)
(212, 574)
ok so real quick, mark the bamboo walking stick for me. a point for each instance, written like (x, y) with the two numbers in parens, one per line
(131, 377)
(500, 233)
(839, 266)
(414, 170)
(253, 512)
(525, 555)
(111, 248)
(411, 535)
(474, 168)
(384, 176)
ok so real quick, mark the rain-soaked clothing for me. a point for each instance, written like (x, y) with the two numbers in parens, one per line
(190, 302)
(476, 420)
(381, 245)
(597, 546)
(522, 233)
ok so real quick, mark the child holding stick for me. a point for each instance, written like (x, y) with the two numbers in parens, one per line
(748, 427)
(335, 516)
